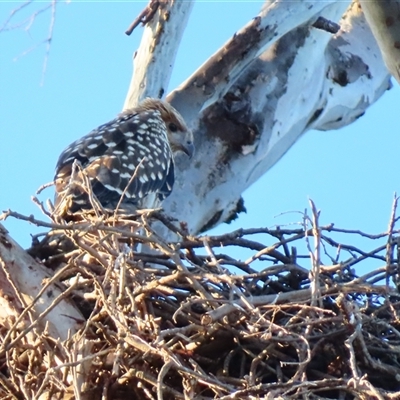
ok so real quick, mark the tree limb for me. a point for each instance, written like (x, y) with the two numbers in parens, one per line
(154, 60)
(308, 79)
(214, 78)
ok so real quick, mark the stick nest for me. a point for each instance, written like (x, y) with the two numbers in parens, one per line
(184, 320)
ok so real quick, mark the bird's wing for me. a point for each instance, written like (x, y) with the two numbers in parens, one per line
(129, 155)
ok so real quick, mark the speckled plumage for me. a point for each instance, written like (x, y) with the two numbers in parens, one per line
(130, 156)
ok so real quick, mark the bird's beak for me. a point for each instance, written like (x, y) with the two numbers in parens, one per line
(188, 149)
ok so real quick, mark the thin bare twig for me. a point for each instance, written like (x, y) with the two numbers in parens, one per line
(145, 16)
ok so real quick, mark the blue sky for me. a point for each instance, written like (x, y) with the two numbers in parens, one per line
(351, 174)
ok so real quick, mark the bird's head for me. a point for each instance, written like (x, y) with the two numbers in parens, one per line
(179, 135)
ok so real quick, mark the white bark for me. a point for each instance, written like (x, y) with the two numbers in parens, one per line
(248, 104)
(21, 280)
(213, 79)
(154, 60)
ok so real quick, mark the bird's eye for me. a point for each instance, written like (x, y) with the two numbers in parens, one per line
(172, 127)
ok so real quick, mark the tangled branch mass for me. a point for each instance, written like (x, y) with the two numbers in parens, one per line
(184, 319)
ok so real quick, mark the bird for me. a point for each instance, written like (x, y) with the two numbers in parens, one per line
(128, 162)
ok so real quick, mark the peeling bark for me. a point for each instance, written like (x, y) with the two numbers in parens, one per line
(214, 78)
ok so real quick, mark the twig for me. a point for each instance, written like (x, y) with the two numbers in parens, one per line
(161, 375)
(389, 245)
(49, 38)
(145, 16)
(134, 175)
(316, 259)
